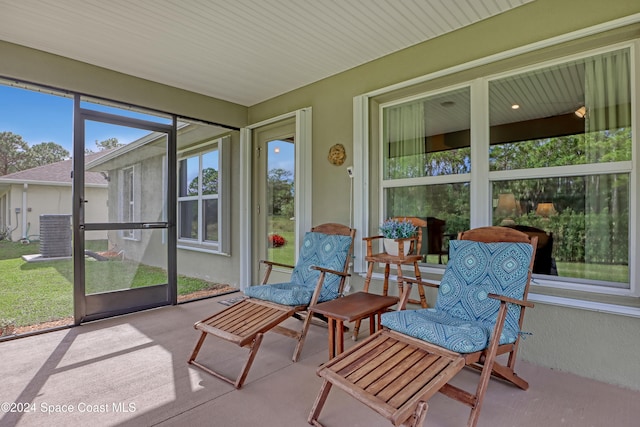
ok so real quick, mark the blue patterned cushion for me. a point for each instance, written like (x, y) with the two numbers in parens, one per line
(318, 249)
(464, 315)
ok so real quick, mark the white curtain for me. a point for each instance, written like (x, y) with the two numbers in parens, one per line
(405, 140)
(607, 98)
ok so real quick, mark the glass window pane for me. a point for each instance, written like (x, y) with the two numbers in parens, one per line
(210, 173)
(428, 137)
(574, 113)
(210, 220)
(188, 219)
(587, 218)
(280, 197)
(188, 170)
(445, 207)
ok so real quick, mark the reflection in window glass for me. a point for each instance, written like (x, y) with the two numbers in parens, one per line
(210, 215)
(445, 207)
(188, 219)
(574, 113)
(585, 218)
(210, 173)
(427, 137)
(188, 170)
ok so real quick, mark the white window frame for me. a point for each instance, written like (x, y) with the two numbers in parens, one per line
(222, 245)
(480, 195)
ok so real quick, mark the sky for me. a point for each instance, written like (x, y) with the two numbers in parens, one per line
(40, 117)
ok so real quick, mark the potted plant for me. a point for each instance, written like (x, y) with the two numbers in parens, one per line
(7, 326)
(393, 229)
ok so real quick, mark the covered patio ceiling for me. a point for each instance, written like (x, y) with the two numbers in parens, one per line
(242, 51)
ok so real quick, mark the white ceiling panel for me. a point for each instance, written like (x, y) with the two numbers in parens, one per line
(243, 51)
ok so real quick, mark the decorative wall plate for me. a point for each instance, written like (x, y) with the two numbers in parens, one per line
(337, 154)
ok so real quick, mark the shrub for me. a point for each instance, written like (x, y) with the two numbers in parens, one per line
(276, 240)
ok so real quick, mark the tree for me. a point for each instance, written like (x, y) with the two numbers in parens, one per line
(107, 144)
(280, 183)
(209, 183)
(12, 152)
(43, 154)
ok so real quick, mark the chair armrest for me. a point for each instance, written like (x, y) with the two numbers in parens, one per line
(328, 270)
(369, 241)
(277, 264)
(404, 297)
(511, 300)
(270, 265)
(421, 282)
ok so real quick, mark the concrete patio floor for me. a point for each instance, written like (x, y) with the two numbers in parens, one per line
(132, 371)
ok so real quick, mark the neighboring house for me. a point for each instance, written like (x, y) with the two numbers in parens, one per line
(137, 176)
(46, 190)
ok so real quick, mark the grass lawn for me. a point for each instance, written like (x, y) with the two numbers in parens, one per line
(37, 292)
(609, 273)
(284, 254)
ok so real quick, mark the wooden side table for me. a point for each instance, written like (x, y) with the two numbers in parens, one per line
(356, 306)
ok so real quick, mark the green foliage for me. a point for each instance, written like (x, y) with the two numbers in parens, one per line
(281, 188)
(209, 182)
(108, 144)
(12, 152)
(43, 154)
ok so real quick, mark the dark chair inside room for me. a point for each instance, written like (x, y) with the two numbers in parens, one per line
(436, 239)
(544, 262)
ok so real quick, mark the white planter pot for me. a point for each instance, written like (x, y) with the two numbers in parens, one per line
(391, 247)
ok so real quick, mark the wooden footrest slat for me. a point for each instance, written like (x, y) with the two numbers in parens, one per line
(241, 322)
(391, 373)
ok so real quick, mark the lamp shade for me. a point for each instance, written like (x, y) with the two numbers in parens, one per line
(545, 210)
(506, 205)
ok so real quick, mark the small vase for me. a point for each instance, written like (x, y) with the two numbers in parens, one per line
(391, 247)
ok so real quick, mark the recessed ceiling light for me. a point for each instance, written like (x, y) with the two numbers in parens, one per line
(515, 106)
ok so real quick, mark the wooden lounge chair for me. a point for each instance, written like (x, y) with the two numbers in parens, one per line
(319, 275)
(478, 315)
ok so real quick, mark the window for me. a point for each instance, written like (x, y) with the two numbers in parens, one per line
(200, 189)
(549, 152)
(128, 201)
(427, 164)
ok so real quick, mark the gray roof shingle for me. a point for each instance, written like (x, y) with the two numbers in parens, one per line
(59, 172)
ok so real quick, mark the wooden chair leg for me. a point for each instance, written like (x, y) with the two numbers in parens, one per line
(385, 285)
(319, 403)
(367, 281)
(255, 345)
(196, 350)
(418, 417)
(301, 338)
(423, 297)
(252, 355)
(488, 367)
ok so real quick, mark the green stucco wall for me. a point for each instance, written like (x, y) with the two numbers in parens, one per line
(596, 345)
